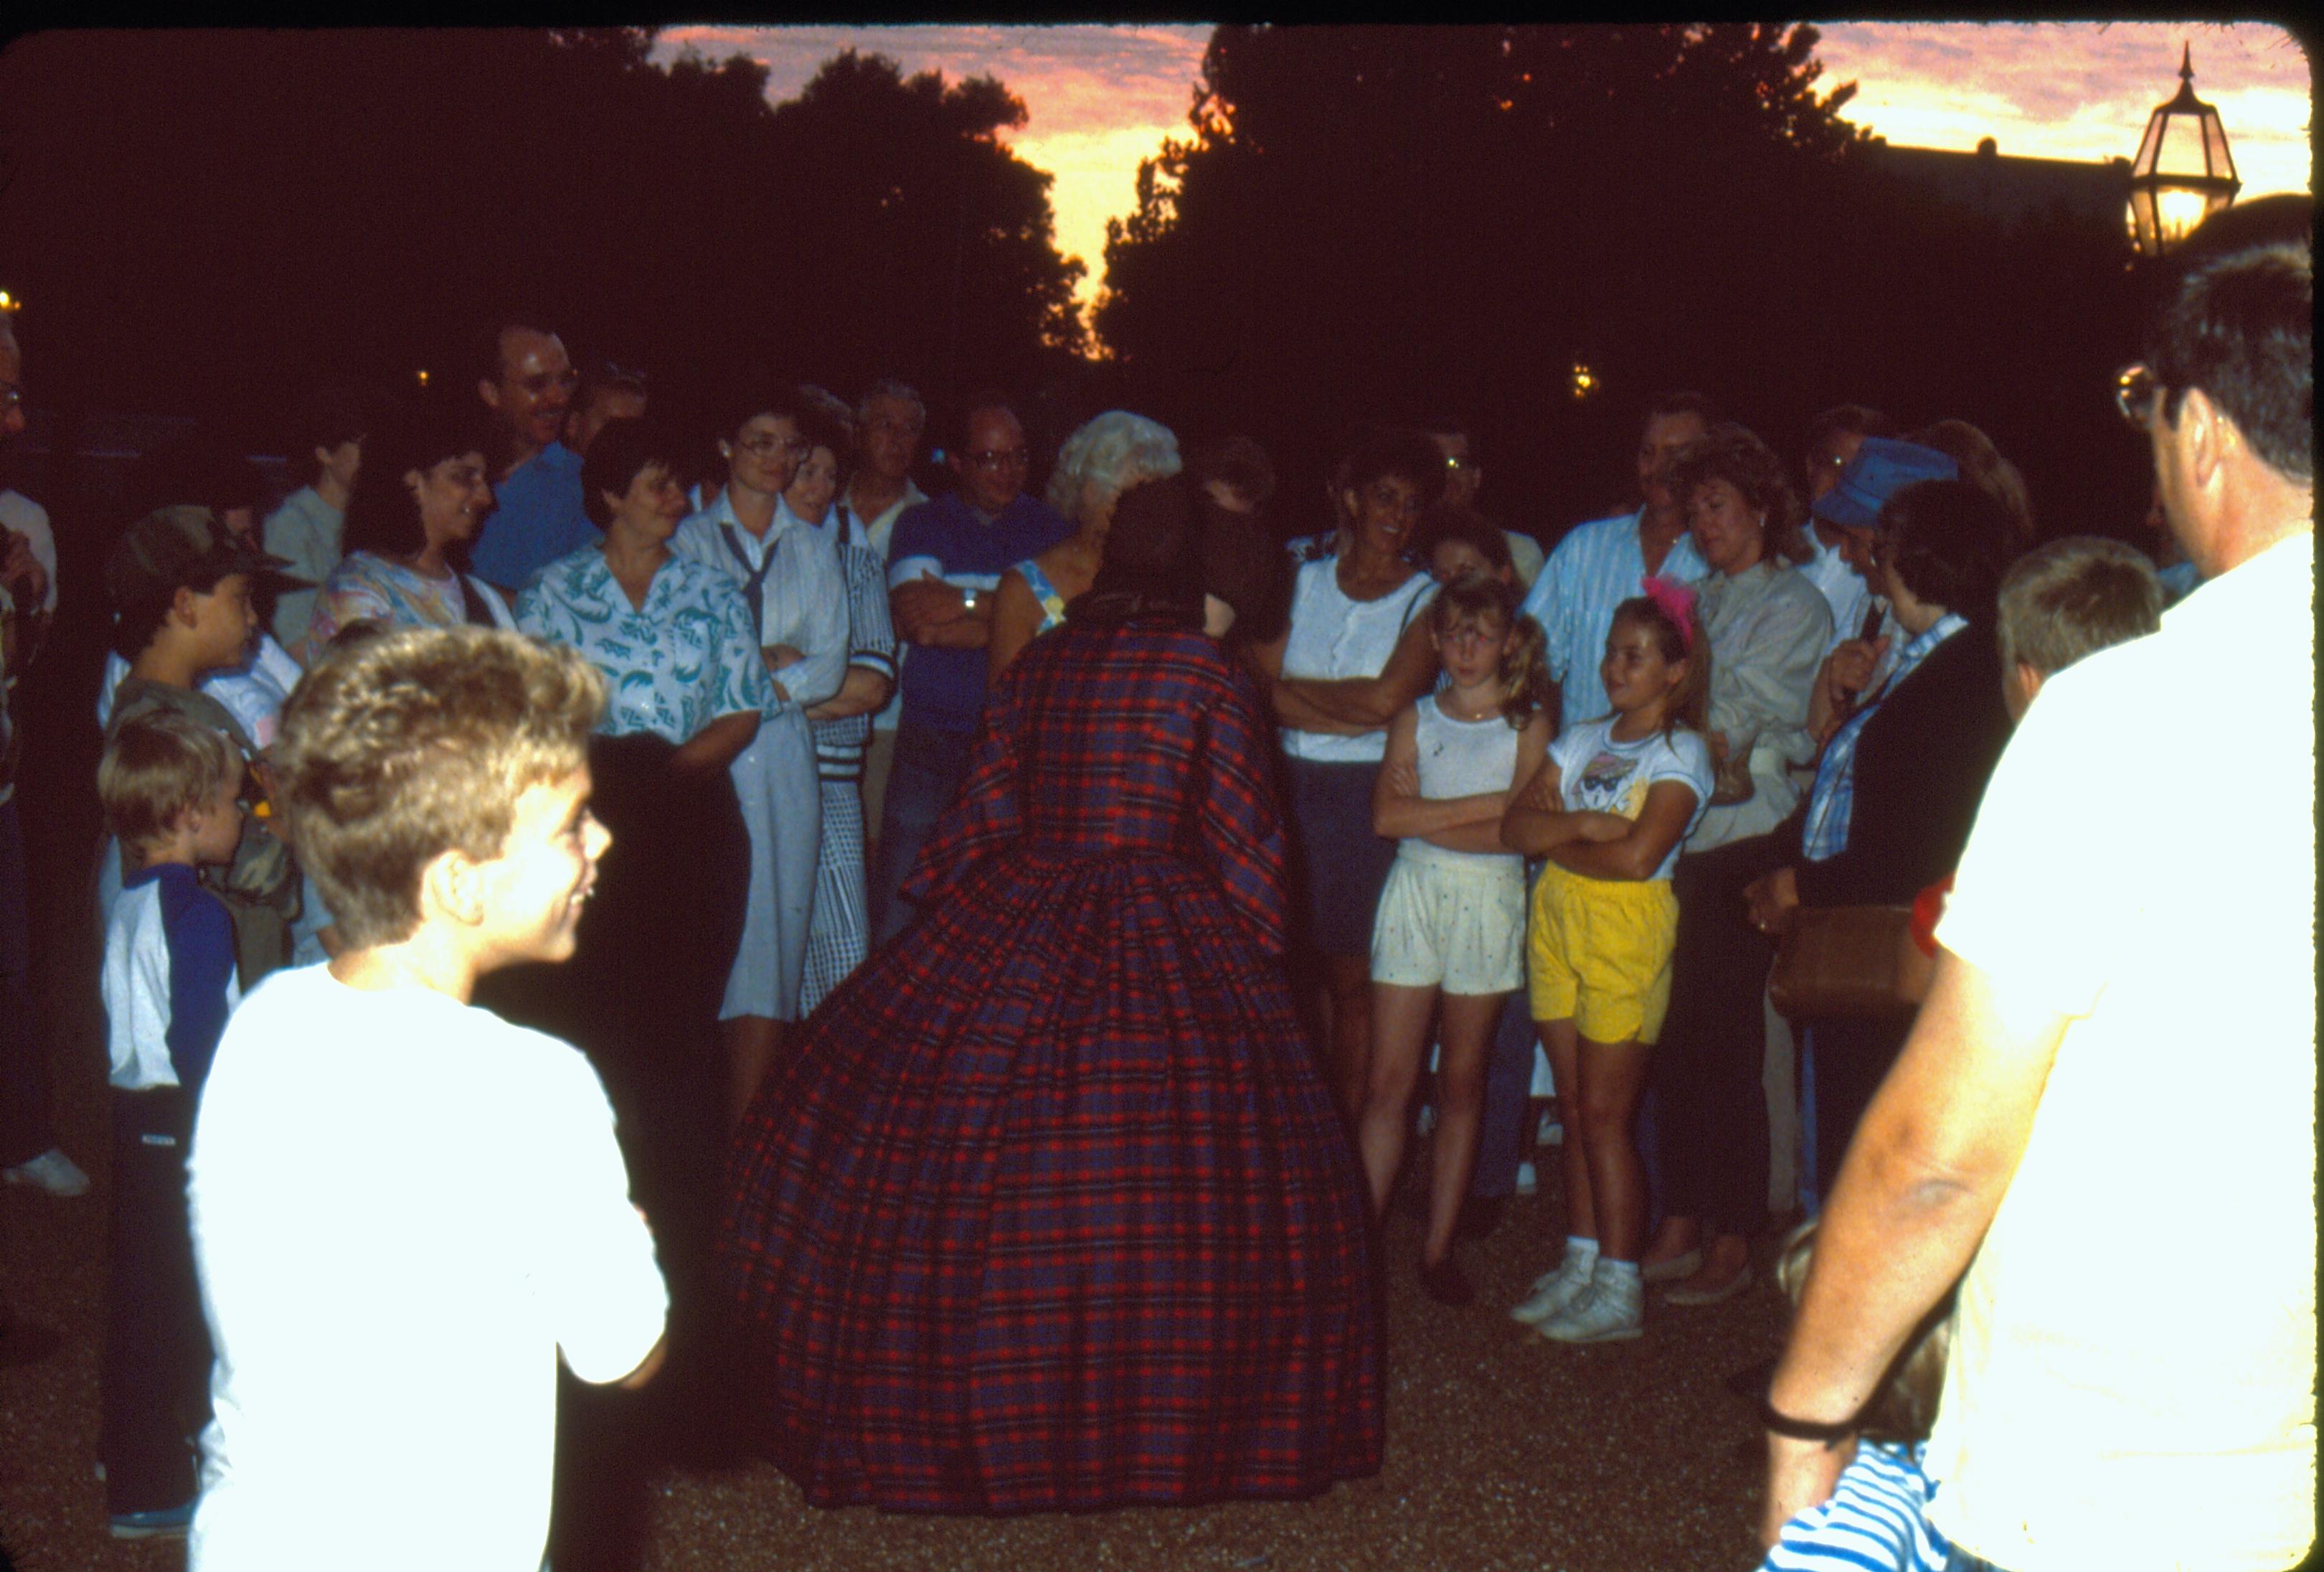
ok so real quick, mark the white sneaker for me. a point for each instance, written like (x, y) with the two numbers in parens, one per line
(1528, 1181)
(1605, 1312)
(52, 1171)
(1555, 1290)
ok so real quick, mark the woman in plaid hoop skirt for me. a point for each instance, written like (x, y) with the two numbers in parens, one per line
(1052, 1210)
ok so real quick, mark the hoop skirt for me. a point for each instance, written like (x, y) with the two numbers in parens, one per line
(1052, 1210)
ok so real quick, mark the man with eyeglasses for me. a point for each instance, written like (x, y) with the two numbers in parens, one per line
(944, 561)
(1833, 438)
(528, 381)
(1464, 477)
(2131, 1380)
(29, 1154)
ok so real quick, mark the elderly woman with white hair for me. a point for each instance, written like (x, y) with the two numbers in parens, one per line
(1099, 461)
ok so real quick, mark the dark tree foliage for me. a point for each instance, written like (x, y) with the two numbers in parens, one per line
(1385, 220)
(900, 188)
(204, 221)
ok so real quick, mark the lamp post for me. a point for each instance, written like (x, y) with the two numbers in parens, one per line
(2183, 171)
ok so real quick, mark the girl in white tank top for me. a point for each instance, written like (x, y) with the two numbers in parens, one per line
(1450, 934)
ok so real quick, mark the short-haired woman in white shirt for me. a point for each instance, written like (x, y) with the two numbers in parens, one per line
(1356, 655)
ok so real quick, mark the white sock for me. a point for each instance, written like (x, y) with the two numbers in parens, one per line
(1585, 1249)
(1617, 1272)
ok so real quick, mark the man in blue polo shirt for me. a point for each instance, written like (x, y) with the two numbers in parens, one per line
(944, 561)
(537, 515)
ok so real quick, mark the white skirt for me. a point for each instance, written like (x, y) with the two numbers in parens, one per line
(782, 805)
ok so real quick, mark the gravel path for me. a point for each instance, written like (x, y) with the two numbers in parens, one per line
(1504, 1451)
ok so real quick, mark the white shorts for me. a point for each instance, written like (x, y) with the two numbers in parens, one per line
(1457, 926)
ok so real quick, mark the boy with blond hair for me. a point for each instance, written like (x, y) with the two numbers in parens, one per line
(2059, 602)
(2067, 599)
(388, 1322)
(168, 785)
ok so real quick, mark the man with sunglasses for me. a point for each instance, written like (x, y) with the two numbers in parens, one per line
(944, 561)
(528, 381)
(2131, 1380)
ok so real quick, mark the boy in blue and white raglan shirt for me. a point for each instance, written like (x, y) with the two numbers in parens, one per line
(168, 785)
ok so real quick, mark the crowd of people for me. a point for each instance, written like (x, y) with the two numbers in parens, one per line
(1020, 931)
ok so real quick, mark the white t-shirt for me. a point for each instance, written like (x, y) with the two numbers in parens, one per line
(403, 1209)
(253, 692)
(1332, 636)
(1598, 774)
(2166, 909)
(1843, 588)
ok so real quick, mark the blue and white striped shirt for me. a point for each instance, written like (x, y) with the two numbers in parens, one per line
(1876, 1520)
(1595, 568)
(1832, 803)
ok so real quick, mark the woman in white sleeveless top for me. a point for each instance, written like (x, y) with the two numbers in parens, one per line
(1355, 656)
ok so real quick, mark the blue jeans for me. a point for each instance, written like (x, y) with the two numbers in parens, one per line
(930, 763)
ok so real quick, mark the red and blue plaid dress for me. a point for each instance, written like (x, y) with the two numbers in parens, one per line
(1052, 1210)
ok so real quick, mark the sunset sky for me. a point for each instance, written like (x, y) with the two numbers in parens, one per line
(1099, 99)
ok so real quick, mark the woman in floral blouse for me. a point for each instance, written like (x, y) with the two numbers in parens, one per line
(408, 523)
(685, 687)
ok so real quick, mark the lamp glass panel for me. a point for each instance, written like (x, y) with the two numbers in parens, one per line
(2215, 148)
(2182, 152)
(2144, 163)
(2179, 212)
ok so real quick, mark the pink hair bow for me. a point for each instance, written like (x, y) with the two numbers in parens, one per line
(1675, 601)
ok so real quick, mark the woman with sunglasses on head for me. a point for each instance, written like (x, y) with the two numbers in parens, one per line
(1356, 654)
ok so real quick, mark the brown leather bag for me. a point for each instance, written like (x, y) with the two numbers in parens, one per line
(1842, 962)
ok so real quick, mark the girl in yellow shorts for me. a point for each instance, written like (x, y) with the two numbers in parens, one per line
(1608, 810)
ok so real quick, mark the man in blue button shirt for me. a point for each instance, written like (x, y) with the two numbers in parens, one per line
(944, 561)
(537, 517)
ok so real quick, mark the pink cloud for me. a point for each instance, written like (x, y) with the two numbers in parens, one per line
(1100, 98)
(2078, 91)
(1074, 80)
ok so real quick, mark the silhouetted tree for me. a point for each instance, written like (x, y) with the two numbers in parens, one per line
(204, 220)
(1374, 220)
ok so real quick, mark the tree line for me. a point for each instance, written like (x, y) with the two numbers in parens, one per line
(1383, 218)
(1357, 222)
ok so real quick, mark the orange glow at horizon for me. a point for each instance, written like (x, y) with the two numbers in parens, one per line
(1100, 99)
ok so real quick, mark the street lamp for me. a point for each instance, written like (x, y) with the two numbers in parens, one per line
(2183, 171)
